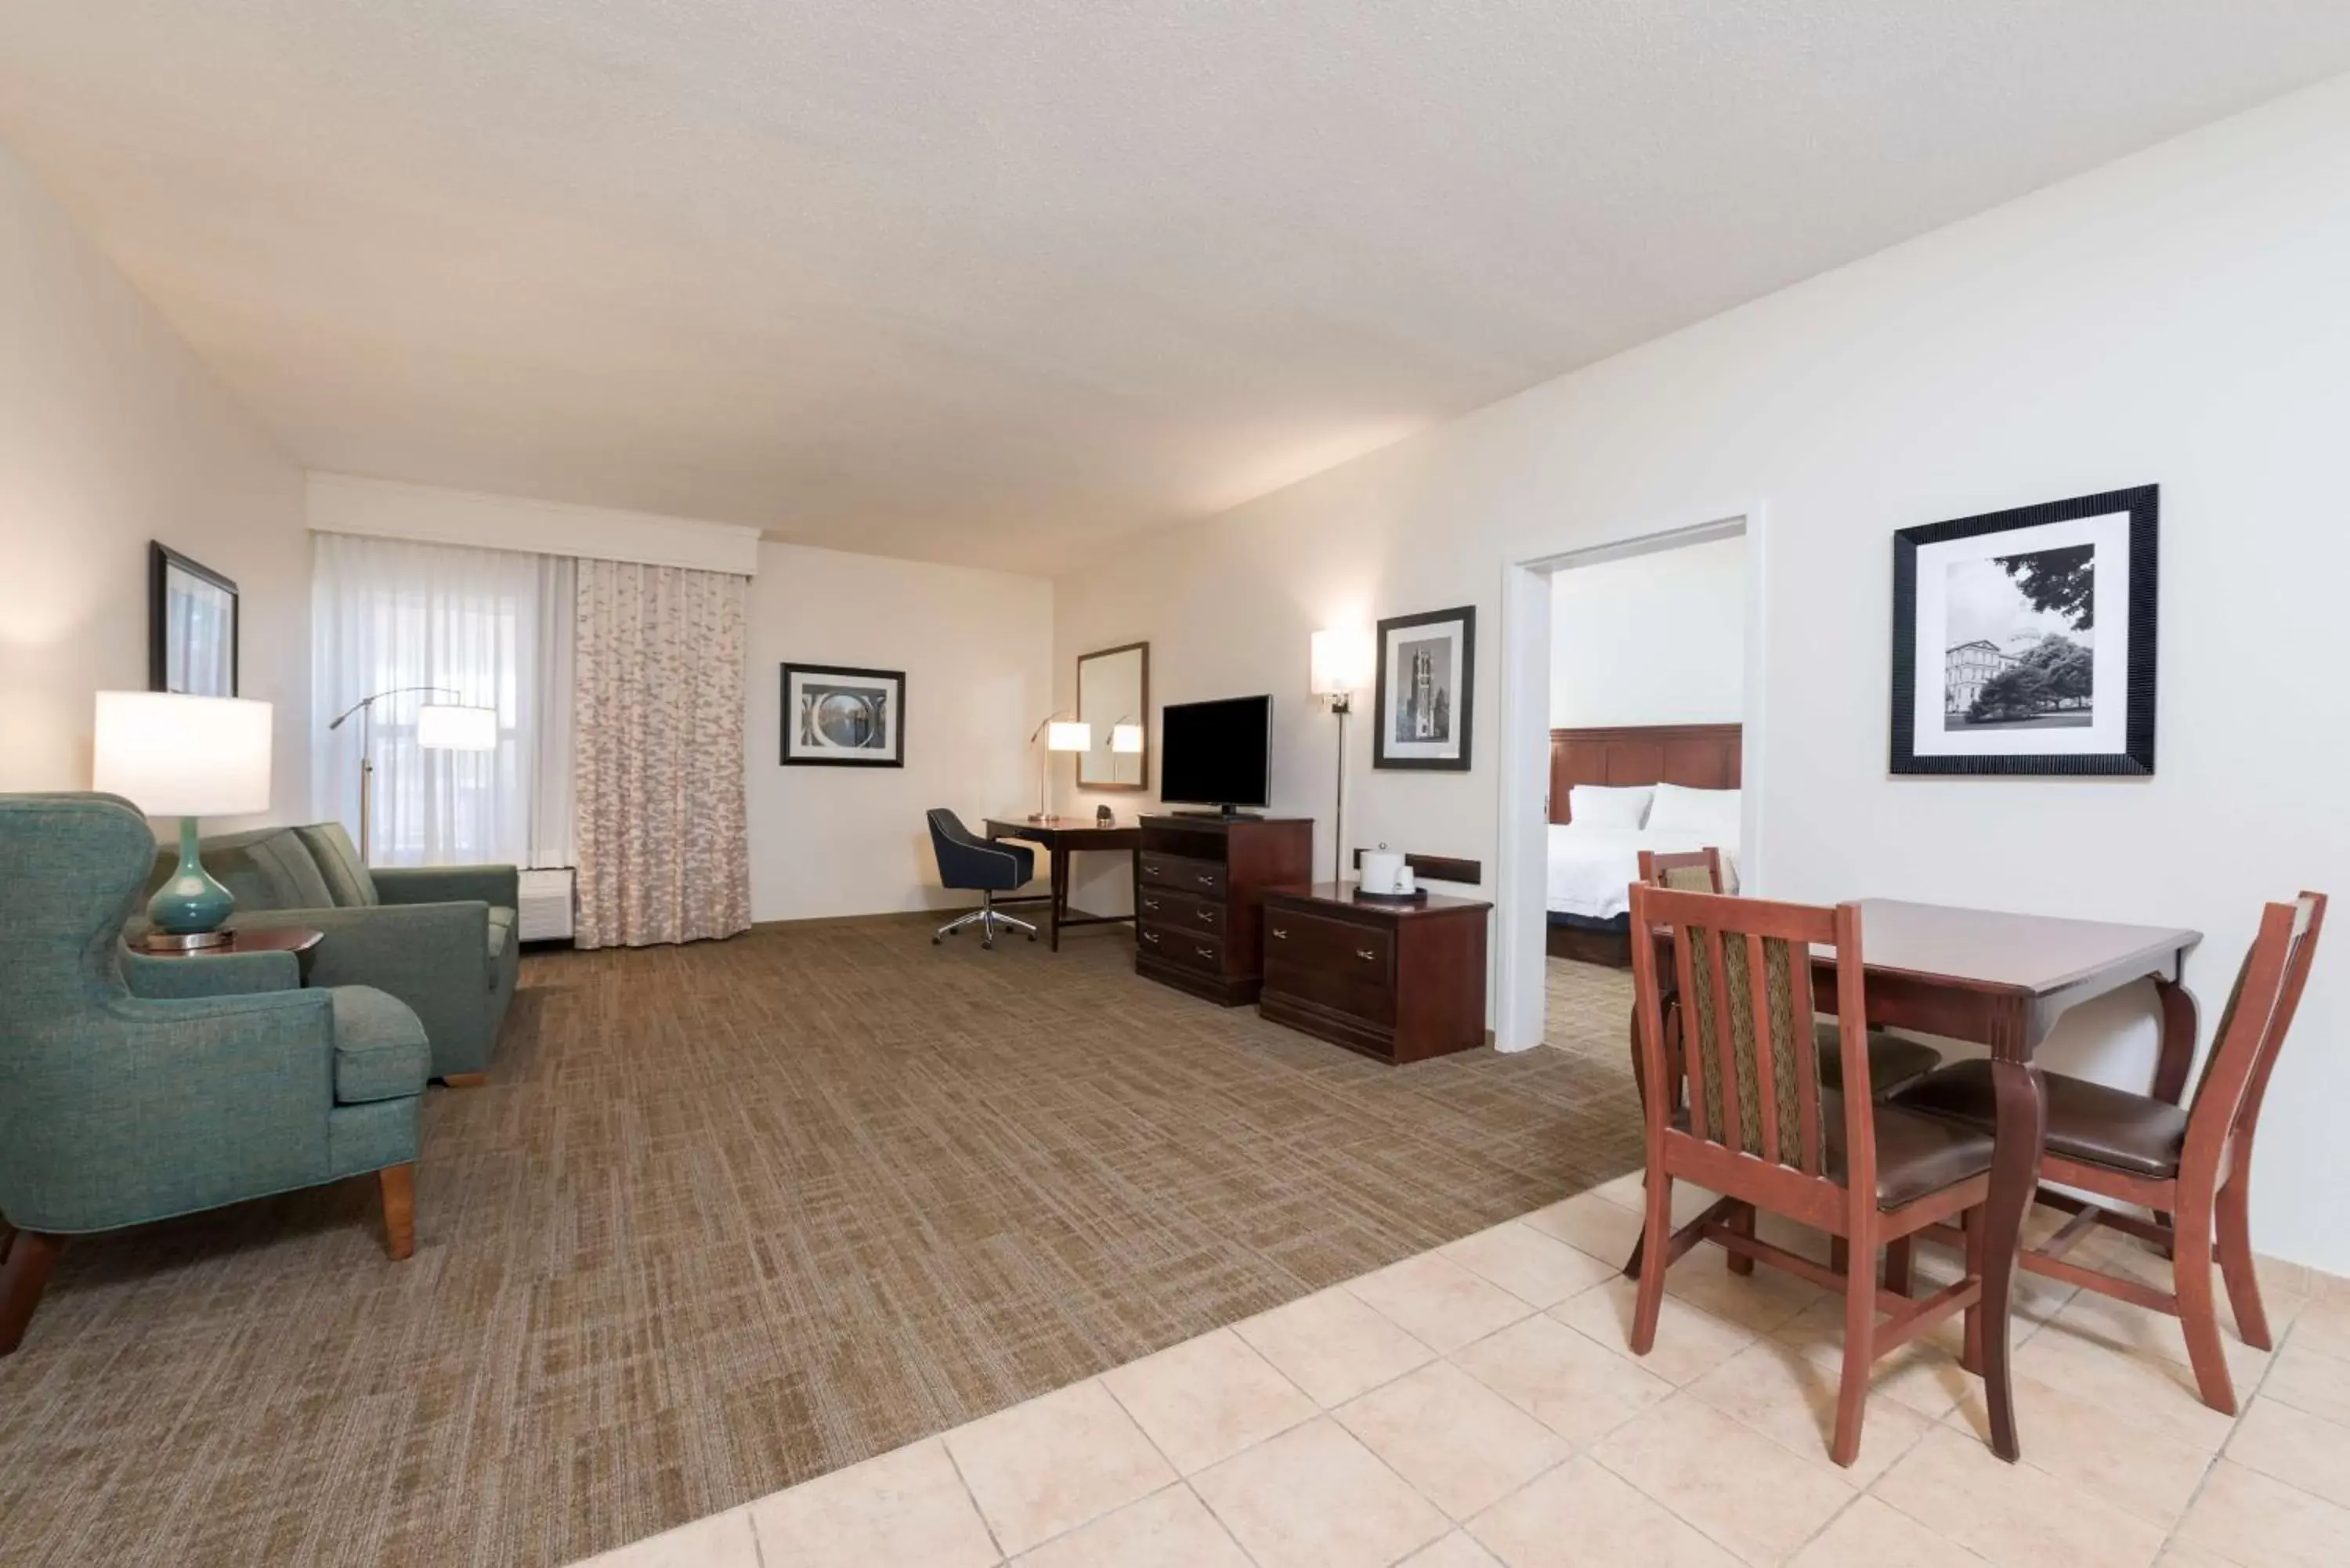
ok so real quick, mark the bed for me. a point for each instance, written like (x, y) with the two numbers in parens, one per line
(1591, 863)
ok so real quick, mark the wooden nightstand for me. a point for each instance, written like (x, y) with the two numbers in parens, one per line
(1398, 982)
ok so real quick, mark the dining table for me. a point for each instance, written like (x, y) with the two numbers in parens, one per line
(2003, 980)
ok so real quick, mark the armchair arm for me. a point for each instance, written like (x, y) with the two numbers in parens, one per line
(165, 1107)
(229, 975)
(433, 957)
(497, 885)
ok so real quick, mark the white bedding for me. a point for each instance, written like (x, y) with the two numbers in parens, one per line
(1590, 867)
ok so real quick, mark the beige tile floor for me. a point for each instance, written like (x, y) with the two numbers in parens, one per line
(1478, 1405)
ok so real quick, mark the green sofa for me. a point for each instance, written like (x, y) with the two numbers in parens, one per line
(439, 938)
(134, 1089)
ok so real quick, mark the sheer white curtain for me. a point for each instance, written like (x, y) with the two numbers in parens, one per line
(494, 628)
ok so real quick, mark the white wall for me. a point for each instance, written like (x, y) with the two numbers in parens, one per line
(2175, 317)
(1684, 609)
(977, 649)
(113, 434)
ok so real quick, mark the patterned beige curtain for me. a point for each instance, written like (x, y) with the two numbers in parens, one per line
(657, 755)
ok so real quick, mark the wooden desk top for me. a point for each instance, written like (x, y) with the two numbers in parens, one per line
(1067, 833)
(1994, 950)
(1343, 894)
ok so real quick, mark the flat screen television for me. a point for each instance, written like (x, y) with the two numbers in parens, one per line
(1217, 753)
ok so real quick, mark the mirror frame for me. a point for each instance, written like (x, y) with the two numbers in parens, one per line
(1141, 650)
(162, 562)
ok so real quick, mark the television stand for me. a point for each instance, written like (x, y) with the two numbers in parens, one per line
(1199, 896)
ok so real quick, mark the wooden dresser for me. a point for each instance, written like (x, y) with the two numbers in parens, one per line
(1199, 884)
(1398, 982)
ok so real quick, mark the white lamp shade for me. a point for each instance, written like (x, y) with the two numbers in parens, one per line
(1126, 738)
(171, 755)
(1062, 735)
(443, 727)
(1342, 660)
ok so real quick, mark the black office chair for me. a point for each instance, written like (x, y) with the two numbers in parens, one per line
(983, 867)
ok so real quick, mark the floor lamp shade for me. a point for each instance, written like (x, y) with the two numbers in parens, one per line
(187, 757)
(1062, 735)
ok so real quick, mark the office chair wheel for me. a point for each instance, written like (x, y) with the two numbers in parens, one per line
(987, 943)
(936, 940)
(1031, 936)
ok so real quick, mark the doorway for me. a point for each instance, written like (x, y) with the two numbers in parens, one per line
(1637, 704)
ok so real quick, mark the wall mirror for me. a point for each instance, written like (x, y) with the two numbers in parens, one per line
(1114, 698)
(192, 626)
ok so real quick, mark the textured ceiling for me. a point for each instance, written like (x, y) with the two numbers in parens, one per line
(984, 282)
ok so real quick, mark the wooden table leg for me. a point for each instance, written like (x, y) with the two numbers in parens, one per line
(2021, 1103)
(1060, 895)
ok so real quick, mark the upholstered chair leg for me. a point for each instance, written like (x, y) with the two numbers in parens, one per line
(2236, 1265)
(1896, 1266)
(1859, 1345)
(26, 1274)
(1743, 1223)
(2198, 1309)
(397, 1184)
(1655, 1239)
(465, 1080)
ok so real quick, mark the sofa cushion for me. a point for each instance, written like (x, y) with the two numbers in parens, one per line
(501, 936)
(339, 863)
(380, 1052)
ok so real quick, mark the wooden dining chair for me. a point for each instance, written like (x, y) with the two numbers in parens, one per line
(1689, 870)
(1757, 1126)
(2193, 1165)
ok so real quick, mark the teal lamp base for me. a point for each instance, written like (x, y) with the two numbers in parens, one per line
(187, 911)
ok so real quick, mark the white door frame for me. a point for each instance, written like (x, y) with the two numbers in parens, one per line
(1523, 822)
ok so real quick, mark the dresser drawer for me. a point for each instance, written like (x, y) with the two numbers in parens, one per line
(1181, 911)
(1182, 874)
(1338, 963)
(1176, 945)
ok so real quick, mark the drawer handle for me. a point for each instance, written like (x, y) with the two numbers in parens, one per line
(1205, 952)
(1151, 866)
(1150, 903)
(1367, 955)
(1207, 878)
(1150, 937)
(1282, 934)
(1207, 917)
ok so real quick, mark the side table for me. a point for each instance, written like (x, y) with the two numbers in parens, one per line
(299, 941)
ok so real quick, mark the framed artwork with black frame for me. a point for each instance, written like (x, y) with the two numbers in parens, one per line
(836, 716)
(2023, 642)
(191, 626)
(1426, 690)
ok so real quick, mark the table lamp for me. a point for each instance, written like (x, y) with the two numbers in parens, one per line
(188, 757)
(1060, 735)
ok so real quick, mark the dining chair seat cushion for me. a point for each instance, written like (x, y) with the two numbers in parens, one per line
(1917, 1156)
(1893, 1061)
(2093, 1122)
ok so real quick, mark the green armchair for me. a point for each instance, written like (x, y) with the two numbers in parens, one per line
(439, 938)
(134, 1089)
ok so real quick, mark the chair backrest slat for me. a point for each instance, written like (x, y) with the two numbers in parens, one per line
(1746, 995)
(2252, 1029)
(1687, 871)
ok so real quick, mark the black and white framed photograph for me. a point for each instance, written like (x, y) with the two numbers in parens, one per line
(192, 631)
(1426, 690)
(839, 717)
(2023, 642)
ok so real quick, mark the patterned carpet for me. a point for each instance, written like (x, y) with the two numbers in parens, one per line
(735, 1214)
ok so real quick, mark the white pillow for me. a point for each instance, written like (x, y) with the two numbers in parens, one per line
(1712, 813)
(1597, 805)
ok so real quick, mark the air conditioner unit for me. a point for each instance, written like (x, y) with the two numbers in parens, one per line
(547, 900)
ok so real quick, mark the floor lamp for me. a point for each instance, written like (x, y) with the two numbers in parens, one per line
(440, 727)
(1341, 665)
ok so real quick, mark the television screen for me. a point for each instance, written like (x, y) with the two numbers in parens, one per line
(1217, 753)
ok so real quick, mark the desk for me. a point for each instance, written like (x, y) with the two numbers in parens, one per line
(1061, 839)
(2002, 980)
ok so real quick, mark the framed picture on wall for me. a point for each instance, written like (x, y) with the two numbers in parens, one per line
(2023, 642)
(1426, 690)
(839, 717)
(191, 629)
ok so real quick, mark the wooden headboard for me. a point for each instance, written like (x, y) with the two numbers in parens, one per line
(1697, 756)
